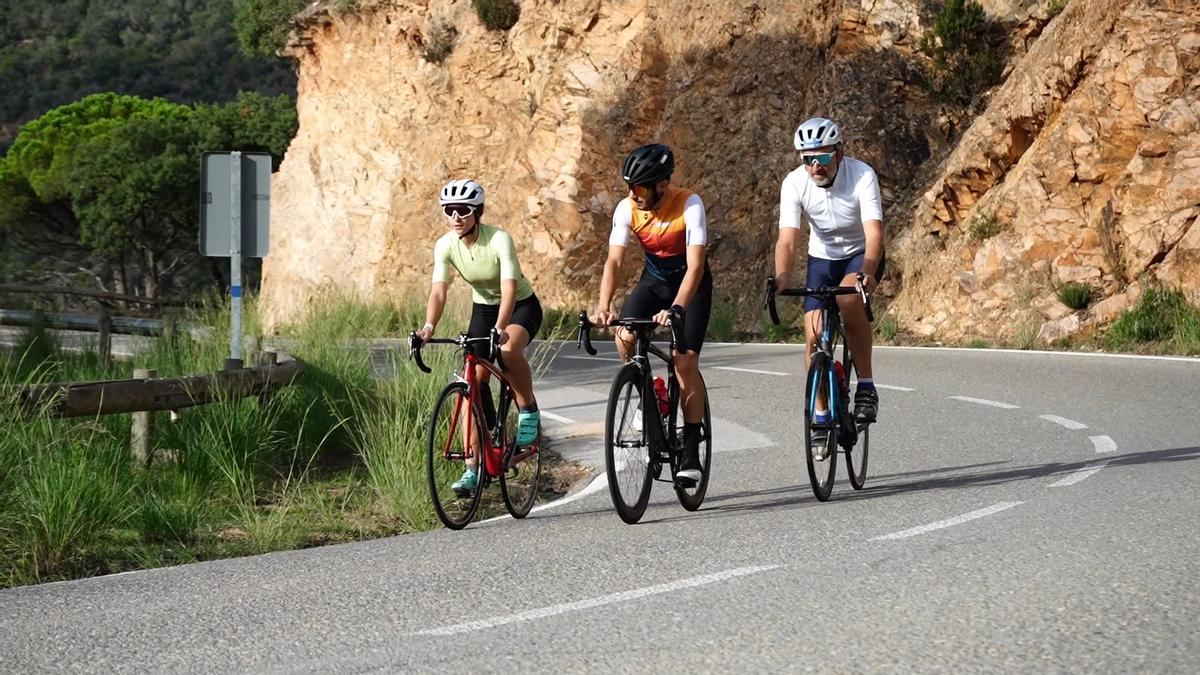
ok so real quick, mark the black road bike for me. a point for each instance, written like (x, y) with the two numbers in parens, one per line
(829, 379)
(643, 430)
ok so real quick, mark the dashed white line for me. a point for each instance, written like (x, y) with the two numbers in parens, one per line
(1103, 443)
(892, 386)
(1062, 421)
(557, 418)
(984, 401)
(624, 596)
(1080, 474)
(750, 370)
(912, 532)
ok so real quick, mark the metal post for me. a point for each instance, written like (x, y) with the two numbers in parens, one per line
(142, 434)
(235, 256)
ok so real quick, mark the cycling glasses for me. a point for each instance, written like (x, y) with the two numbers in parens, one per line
(641, 191)
(822, 158)
(458, 210)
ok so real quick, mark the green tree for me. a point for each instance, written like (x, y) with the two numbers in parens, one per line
(962, 51)
(263, 25)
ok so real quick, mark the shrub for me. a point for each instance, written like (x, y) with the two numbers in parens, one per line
(962, 58)
(1160, 316)
(983, 227)
(1055, 7)
(721, 322)
(1075, 295)
(497, 14)
(888, 327)
(262, 26)
(439, 43)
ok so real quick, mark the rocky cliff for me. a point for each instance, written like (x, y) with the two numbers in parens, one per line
(1079, 162)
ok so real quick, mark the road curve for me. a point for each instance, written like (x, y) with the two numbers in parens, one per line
(1024, 512)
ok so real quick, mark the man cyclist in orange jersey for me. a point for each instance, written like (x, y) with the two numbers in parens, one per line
(671, 225)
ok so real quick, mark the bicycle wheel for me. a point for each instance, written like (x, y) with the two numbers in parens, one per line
(447, 454)
(626, 444)
(691, 498)
(856, 456)
(522, 466)
(821, 457)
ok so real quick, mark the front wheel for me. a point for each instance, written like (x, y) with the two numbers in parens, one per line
(626, 444)
(455, 438)
(691, 498)
(522, 467)
(856, 455)
(820, 442)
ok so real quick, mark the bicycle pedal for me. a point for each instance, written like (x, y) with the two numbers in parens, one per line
(682, 482)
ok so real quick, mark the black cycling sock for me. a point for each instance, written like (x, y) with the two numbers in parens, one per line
(691, 436)
(532, 407)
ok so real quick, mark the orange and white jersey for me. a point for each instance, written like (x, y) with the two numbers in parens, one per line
(664, 232)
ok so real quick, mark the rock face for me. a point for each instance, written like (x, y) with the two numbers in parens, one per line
(1084, 167)
(1085, 160)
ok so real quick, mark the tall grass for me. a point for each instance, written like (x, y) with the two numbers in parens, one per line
(337, 455)
(1162, 320)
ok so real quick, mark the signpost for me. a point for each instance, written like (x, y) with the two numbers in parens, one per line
(235, 217)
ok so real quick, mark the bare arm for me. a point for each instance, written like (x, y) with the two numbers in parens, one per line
(434, 308)
(785, 252)
(508, 300)
(874, 231)
(691, 280)
(608, 283)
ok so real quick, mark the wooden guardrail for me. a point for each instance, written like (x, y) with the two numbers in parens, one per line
(87, 399)
(82, 292)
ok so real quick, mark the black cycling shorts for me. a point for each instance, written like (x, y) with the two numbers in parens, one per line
(527, 313)
(822, 272)
(652, 295)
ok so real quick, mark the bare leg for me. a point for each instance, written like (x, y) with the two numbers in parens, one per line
(858, 329)
(691, 386)
(812, 330)
(518, 373)
(624, 341)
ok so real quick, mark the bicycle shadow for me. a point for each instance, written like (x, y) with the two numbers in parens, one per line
(880, 487)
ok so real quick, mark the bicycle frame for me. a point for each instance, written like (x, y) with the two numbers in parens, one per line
(492, 452)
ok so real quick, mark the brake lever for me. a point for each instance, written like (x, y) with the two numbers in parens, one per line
(585, 334)
(770, 295)
(414, 351)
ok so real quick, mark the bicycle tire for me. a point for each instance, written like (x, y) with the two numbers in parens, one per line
(820, 471)
(521, 471)
(691, 498)
(627, 458)
(856, 456)
(446, 454)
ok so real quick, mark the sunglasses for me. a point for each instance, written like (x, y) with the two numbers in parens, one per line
(822, 158)
(458, 210)
(641, 191)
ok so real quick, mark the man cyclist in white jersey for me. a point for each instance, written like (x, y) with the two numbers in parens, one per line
(671, 225)
(839, 197)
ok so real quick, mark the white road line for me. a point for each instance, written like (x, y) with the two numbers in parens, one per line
(1062, 421)
(598, 483)
(968, 350)
(590, 358)
(984, 401)
(1080, 474)
(912, 532)
(1104, 443)
(557, 418)
(892, 386)
(750, 370)
(624, 596)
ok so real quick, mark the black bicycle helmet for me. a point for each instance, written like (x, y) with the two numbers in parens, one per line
(648, 165)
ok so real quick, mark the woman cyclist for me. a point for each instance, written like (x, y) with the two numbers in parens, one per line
(671, 225)
(486, 258)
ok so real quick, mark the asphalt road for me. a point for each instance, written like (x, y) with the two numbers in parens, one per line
(1024, 512)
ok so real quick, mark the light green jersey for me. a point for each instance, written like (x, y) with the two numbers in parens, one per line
(484, 264)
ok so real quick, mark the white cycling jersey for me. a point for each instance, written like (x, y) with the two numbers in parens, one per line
(836, 214)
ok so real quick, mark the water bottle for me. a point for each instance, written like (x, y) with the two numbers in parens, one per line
(660, 391)
(843, 383)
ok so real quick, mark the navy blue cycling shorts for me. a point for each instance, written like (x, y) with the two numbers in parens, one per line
(822, 272)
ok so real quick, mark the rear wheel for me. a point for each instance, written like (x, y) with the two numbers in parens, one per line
(455, 438)
(522, 466)
(856, 456)
(691, 498)
(820, 448)
(626, 445)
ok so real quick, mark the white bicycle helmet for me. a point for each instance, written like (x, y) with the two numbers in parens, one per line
(817, 132)
(462, 191)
